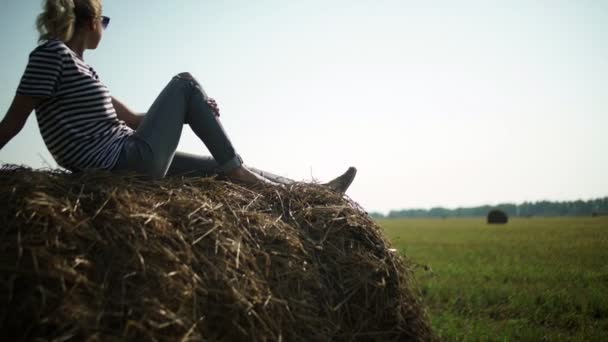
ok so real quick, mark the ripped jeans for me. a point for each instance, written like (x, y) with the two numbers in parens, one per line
(151, 150)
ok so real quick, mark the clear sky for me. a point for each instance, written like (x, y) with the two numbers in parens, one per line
(450, 103)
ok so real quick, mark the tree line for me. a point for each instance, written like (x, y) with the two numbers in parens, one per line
(593, 207)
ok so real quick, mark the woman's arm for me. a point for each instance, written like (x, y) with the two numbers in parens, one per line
(131, 118)
(15, 118)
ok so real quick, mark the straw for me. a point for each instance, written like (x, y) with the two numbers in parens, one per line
(100, 256)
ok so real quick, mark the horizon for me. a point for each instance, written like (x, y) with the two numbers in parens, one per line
(496, 204)
(437, 105)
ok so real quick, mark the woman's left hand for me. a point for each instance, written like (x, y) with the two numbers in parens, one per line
(211, 102)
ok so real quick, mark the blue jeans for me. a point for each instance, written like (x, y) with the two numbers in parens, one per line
(151, 150)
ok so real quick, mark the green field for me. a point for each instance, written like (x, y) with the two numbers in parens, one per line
(537, 279)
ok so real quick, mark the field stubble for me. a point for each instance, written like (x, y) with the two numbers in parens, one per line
(529, 280)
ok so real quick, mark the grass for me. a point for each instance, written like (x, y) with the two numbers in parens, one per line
(538, 279)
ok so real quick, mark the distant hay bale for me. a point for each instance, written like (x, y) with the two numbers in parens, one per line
(95, 256)
(497, 216)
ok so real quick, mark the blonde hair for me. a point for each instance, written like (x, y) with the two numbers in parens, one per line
(60, 18)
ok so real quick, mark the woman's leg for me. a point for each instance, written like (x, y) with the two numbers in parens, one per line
(339, 184)
(191, 165)
(183, 100)
(271, 176)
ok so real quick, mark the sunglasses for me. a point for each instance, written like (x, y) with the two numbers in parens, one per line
(105, 21)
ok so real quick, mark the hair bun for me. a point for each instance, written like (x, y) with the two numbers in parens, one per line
(66, 7)
(58, 19)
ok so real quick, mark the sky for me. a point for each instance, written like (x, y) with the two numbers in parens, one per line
(437, 103)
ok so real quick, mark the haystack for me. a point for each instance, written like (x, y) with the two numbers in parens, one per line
(95, 256)
(497, 216)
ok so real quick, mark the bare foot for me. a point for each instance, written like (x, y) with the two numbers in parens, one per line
(243, 175)
(342, 182)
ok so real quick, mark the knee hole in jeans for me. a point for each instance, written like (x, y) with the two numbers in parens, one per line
(189, 77)
(185, 75)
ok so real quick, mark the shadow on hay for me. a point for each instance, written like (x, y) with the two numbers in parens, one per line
(100, 256)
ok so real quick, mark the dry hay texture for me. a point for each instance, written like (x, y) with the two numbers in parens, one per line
(95, 256)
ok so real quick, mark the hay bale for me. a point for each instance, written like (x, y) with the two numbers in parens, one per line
(107, 257)
(497, 216)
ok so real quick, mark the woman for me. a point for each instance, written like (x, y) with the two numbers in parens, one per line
(84, 127)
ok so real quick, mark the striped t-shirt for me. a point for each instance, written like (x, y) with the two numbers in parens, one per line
(76, 117)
